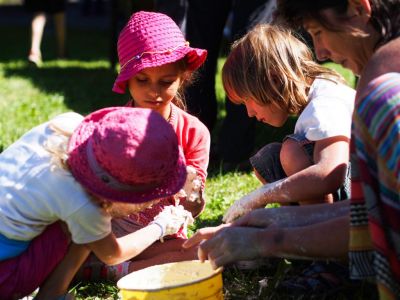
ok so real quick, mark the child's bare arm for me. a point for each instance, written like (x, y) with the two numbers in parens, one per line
(326, 174)
(59, 280)
(310, 184)
(112, 250)
(195, 207)
(191, 195)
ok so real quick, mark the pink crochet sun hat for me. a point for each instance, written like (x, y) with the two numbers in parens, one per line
(152, 39)
(127, 154)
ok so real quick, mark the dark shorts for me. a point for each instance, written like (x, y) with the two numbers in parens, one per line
(47, 6)
(267, 163)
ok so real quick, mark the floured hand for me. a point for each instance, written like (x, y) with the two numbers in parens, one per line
(237, 209)
(230, 244)
(191, 191)
(256, 199)
(172, 219)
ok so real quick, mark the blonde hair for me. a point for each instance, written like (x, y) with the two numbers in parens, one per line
(270, 65)
(57, 145)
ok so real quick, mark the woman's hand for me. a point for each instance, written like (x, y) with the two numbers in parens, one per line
(203, 234)
(227, 245)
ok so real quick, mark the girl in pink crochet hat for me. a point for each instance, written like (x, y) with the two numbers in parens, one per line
(156, 62)
(62, 183)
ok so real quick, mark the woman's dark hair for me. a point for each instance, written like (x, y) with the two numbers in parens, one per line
(385, 15)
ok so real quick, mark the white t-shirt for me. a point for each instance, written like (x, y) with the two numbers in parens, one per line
(35, 193)
(328, 112)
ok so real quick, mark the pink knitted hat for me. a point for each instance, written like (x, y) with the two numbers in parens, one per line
(127, 154)
(149, 40)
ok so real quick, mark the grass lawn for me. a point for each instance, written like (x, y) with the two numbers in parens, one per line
(29, 96)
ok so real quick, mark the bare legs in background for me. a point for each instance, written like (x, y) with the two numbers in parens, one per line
(37, 28)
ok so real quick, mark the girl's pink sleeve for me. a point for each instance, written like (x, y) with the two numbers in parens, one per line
(197, 150)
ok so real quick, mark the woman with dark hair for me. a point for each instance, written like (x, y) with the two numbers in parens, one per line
(364, 36)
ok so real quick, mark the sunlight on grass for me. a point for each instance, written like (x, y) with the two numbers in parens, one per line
(60, 63)
(223, 190)
(21, 113)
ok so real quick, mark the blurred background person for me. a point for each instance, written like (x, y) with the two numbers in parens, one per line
(95, 7)
(40, 10)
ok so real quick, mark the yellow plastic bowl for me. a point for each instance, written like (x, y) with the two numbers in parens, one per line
(186, 280)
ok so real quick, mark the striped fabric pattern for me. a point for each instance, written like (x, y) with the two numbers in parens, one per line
(375, 218)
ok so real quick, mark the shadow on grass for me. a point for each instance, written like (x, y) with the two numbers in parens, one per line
(84, 89)
(84, 80)
(81, 44)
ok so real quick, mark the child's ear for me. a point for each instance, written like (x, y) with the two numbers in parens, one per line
(106, 204)
(185, 76)
(103, 203)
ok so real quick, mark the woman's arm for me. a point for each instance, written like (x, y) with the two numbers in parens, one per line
(294, 216)
(324, 240)
(280, 217)
(227, 244)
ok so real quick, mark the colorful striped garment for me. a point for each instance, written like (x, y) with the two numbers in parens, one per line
(375, 218)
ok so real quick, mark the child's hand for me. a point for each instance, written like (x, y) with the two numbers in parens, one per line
(238, 208)
(191, 190)
(173, 218)
(256, 199)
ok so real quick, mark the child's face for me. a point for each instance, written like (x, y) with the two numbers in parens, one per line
(155, 87)
(120, 209)
(267, 113)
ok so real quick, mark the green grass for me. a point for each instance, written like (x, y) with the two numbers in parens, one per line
(29, 96)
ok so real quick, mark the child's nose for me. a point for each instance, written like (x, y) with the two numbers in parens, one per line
(155, 92)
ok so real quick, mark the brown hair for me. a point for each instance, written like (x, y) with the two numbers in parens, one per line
(385, 17)
(188, 77)
(270, 65)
